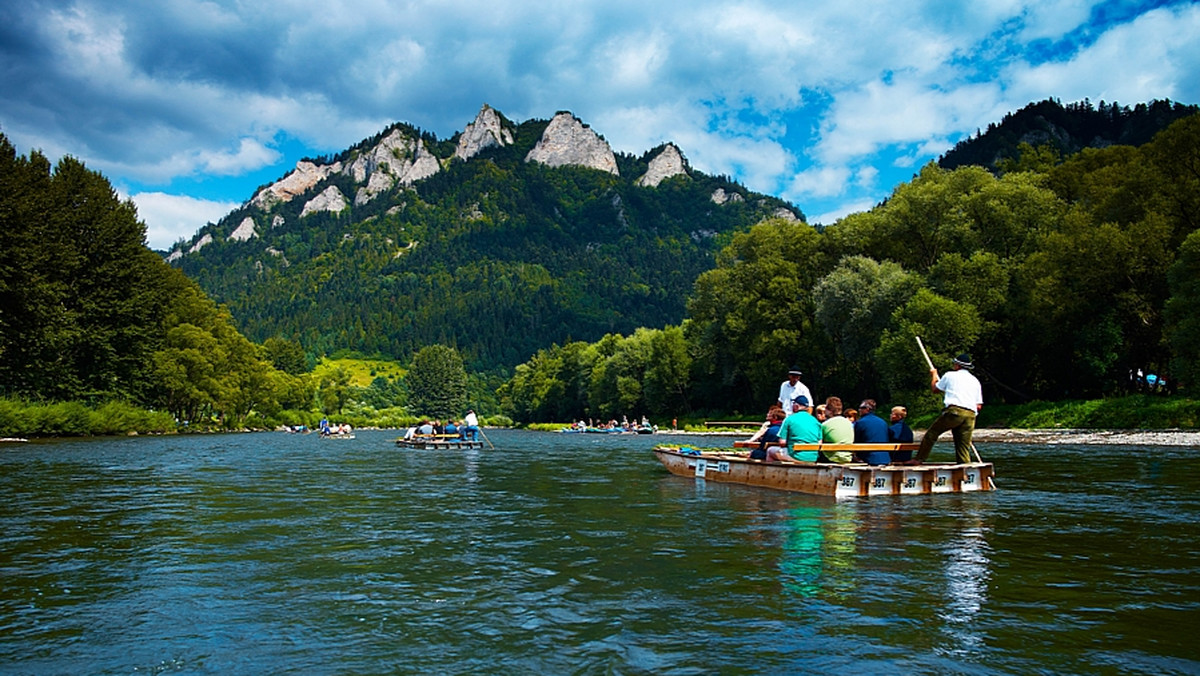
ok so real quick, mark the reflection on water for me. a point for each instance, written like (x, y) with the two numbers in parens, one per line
(580, 554)
(967, 571)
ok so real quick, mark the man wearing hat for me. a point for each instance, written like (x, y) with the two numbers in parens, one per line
(798, 428)
(792, 388)
(963, 400)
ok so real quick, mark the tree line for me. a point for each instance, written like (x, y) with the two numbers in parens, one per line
(1062, 276)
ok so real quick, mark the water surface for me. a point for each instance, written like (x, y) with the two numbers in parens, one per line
(276, 553)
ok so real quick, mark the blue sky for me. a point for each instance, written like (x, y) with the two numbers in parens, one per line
(187, 106)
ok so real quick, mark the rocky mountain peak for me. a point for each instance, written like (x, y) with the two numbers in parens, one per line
(486, 131)
(568, 141)
(667, 163)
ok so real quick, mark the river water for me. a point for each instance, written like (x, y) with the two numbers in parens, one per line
(578, 554)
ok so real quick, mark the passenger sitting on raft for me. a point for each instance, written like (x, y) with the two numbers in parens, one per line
(799, 428)
(768, 434)
(837, 429)
(871, 429)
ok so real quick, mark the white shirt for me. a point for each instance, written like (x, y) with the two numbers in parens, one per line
(962, 389)
(788, 392)
(471, 420)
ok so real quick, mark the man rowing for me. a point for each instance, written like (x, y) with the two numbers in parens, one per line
(963, 400)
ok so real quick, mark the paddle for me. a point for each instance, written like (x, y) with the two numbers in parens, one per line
(481, 433)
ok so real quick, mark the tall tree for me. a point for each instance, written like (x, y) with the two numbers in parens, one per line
(437, 382)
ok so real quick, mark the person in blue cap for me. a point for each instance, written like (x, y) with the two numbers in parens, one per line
(963, 400)
(799, 428)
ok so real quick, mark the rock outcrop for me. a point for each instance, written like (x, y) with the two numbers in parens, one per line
(331, 199)
(201, 243)
(568, 141)
(721, 197)
(244, 231)
(486, 131)
(299, 181)
(398, 158)
(667, 163)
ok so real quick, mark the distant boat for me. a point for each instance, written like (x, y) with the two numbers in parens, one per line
(830, 479)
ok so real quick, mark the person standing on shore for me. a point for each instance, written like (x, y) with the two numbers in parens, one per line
(963, 400)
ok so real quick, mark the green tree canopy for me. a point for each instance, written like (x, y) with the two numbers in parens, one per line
(437, 382)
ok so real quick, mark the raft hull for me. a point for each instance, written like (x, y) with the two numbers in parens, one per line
(829, 479)
(438, 444)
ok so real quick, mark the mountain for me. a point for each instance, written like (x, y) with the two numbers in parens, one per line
(1069, 129)
(500, 240)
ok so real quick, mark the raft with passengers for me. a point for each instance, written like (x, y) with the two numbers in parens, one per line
(822, 452)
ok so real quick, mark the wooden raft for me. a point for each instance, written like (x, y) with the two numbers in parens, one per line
(831, 479)
(438, 442)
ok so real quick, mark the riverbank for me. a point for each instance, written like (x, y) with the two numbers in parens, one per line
(1168, 437)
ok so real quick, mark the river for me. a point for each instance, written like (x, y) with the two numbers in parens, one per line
(578, 554)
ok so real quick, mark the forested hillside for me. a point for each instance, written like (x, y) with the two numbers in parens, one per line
(92, 315)
(494, 255)
(1061, 276)
(1065, 130)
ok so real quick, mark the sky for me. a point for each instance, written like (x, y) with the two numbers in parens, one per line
(188, 107)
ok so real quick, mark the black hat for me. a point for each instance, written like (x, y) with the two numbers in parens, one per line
(795, 371)
(964, 360)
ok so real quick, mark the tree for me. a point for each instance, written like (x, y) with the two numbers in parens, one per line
(286, 355)
(1183, 313)
(854, 304)
(437, 382)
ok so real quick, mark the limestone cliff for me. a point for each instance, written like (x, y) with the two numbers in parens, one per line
(667, 163)
(331, 199)
(300, 180)
(244, 231)
(486, 131)
(568, 141)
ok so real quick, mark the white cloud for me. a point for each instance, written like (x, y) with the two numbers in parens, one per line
(170, 218)
(819, 182)
(1154, 56)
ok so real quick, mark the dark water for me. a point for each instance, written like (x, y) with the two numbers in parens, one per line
(564, 554)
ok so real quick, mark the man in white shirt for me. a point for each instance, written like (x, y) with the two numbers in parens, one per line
(963, 400)
(471, 425)
(792, 388)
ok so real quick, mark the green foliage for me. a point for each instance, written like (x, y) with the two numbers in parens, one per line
(437, 382)
(19, 418)
(496, 256)
(1064, 130)
(1183, 311)
(92, 315)
(286, 355)
(1137, 411)
(1052, 275)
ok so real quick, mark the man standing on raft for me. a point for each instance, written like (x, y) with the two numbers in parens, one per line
(963, 400)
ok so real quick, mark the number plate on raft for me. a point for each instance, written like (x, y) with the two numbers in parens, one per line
(703, 466)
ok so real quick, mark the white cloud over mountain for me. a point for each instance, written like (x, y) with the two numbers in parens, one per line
(824, 104)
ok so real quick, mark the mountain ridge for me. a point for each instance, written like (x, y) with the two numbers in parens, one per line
(498, 240)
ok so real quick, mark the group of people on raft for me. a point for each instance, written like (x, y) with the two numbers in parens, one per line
(466, 429)
(795, 420)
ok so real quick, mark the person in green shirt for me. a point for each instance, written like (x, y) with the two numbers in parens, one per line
(799, 428)
(837, 429)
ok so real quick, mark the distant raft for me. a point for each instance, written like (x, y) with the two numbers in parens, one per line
(437, 442)
(830, 479)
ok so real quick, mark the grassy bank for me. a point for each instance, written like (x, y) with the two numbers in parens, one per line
(1139, 411)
